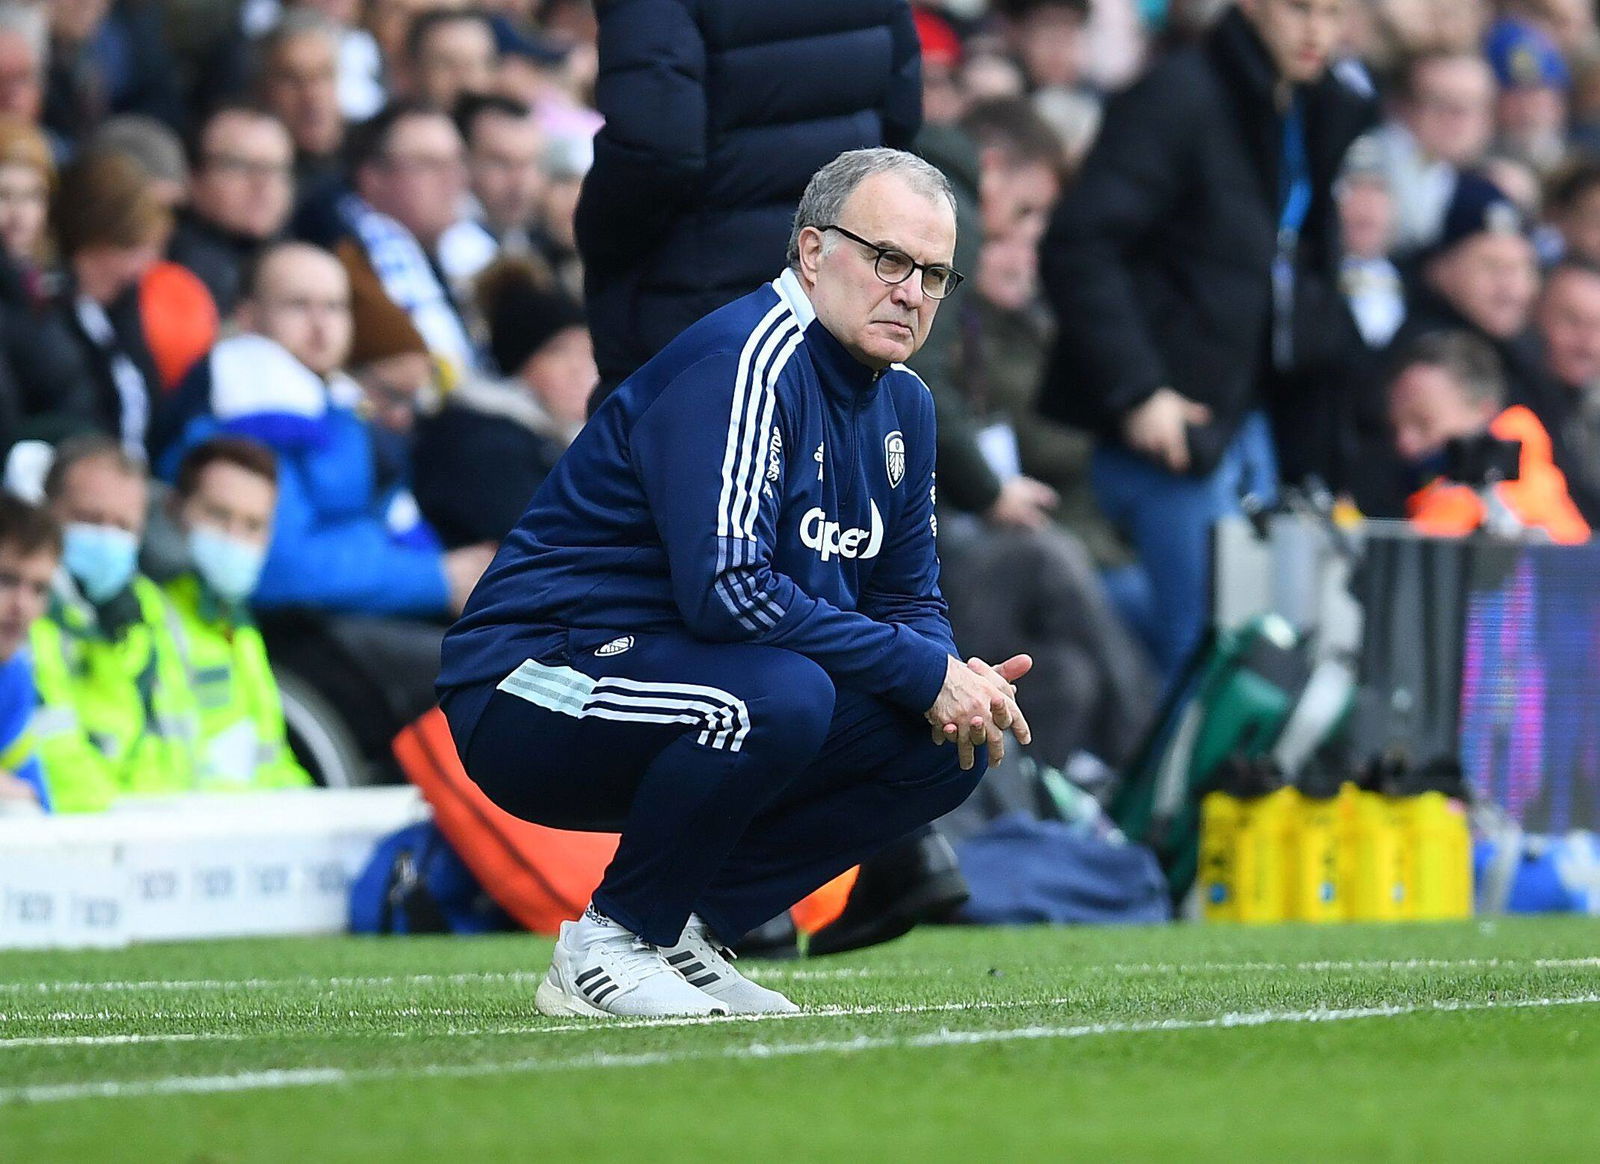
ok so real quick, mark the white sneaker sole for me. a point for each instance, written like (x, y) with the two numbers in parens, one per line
(551, 1000)
(555, 1002)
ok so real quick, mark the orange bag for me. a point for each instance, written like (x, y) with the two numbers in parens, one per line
(540, 876)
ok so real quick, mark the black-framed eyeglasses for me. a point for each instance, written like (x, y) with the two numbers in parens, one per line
(893, 266)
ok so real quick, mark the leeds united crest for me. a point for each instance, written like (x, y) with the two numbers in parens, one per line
(894, 457)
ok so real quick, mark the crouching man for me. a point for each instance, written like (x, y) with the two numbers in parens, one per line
(718, 628)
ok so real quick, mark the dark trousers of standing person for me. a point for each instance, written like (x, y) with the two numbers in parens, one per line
(740, 777)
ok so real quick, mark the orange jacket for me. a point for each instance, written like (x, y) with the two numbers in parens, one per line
(1538, 497)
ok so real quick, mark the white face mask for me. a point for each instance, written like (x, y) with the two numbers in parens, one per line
(229, 566)
(100, 558)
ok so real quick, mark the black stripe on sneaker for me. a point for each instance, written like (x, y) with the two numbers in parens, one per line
(681, 957)
(588, 974)
(589, 988)
(603, 993)
(693, 968)
(703, 980)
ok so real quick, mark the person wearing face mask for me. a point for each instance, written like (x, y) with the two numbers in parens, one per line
(223, 500)
(117, 715)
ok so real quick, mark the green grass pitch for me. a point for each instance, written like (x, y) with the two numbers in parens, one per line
(1472, 1041)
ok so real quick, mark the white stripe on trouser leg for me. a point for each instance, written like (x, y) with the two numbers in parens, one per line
(724, 718)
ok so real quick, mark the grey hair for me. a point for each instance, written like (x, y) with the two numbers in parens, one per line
(830, 187)
(31, 23)
(293, 24)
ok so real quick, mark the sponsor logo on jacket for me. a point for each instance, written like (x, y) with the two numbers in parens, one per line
(831, 540)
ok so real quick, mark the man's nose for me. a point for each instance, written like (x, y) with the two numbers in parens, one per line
(908, 292)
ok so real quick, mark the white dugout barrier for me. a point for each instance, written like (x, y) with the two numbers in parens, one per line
(214, 866)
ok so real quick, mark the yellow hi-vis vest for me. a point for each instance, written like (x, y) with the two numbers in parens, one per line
(117, 713)
(242, 742)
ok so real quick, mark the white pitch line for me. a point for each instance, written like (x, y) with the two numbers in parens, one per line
(307, 1077)
(120, 986)
(587, 1027)
(1364, 965)
(777, 973)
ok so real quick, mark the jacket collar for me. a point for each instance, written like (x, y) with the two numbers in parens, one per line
(843, 376)
(109, 620)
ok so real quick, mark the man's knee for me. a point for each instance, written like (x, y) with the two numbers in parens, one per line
(934, 775)
(792, 709)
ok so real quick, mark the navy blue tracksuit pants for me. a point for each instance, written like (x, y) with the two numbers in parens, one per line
(740, 777)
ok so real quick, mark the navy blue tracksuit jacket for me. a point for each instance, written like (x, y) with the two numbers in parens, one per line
(754, 483)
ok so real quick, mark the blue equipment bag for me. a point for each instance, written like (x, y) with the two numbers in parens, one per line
(415, 884)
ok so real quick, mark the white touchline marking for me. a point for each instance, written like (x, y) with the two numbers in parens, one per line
(587, 1027)
(462, 979)
(777, 973)
(1365, 964)
(306, 1077)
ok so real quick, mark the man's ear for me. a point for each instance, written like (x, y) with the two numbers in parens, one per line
(811, 244)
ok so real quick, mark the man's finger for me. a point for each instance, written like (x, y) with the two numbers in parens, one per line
(1019, 725)
(1014, 668)
(1000, 711)
(965, 756)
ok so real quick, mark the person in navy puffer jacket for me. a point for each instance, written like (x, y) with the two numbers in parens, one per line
(717, 114)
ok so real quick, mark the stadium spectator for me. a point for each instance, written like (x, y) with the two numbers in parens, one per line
(451, 55)
(505, 167)
(223, 500)
(44, 391)
(1375, 292)
(108, 57)
(298, 80)
(1192, 271)
(1482, 276)
(24, 57)
(697, 172)
(346, 539)
(1568, 320)
(111, 228)
(118, 716)
(360, 85)
(480, 459)
(408, 172)
(27, 175)
(242, 193)
(30, 551)
(1449, 388)
(944, 96)
(1573, 209)
(155, 148)
(389, 22)
(1531, 108)
(1443, 124)
(1047, 36)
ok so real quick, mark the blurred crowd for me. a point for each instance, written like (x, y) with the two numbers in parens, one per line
(296, 305)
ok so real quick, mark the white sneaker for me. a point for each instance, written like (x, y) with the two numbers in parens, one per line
(704, 964)
(602, 970)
